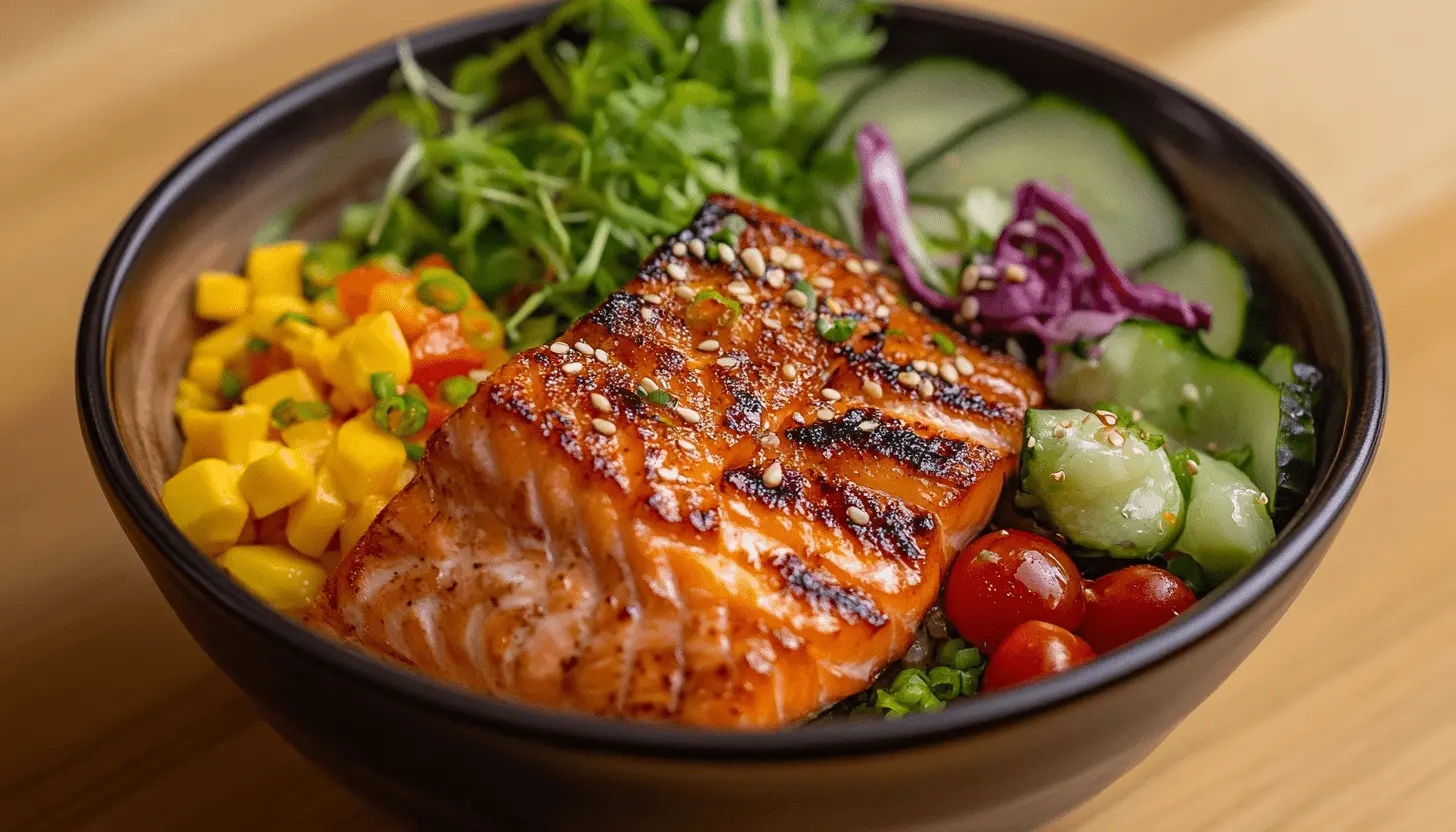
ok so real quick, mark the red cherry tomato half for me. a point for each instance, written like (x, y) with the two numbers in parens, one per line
(1031, 651)
(1007, 578)
(1130, 603)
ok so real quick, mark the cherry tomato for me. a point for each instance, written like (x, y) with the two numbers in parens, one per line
(356, 287)
(442, 351)
(1130, 603)
(1031, 651)
(1006, 578)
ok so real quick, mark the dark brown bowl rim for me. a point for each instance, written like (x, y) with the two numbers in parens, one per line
(1334, 492)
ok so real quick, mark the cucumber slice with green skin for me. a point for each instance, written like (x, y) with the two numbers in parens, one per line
(840, 86)
(1299, 388)
(1226, 525)
(1065, 144)
(1209, 273)
(1203, 401)
(1105, 488)
(927, 103)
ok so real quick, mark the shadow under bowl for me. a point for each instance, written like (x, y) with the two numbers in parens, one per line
(442, 757)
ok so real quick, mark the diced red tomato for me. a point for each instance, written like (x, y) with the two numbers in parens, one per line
(398, 297)
(442, 351)
(482, 329)
(433, 261)
(263, 364)
(356, 287)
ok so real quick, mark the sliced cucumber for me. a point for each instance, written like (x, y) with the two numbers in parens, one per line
(1203, 401)
(1065, 145)
(1105, 487)
(1227, 524)
(839, 86)
(1299, 388)
(927, 103)
(1209, 273)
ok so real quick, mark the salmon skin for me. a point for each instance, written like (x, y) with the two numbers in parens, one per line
(732, 522)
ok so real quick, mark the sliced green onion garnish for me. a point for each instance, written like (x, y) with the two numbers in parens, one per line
(401, 415)
(893, 708)
(257, 345)
(806, 288)
(294, 316)
(712, 309)
(945, 656)
(834, 330)
(733, 226)
(946, 345)
(457, 390)
(383, 385)
(443, 289)
(229, 385)
(658, 397)
(324, 263)
(967, 658)
(291, 411)
(414, 450)
(945, 682)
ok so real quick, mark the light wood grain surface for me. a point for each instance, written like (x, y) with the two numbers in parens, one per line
(110, 717)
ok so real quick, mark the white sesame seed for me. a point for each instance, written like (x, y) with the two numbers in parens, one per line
(822, 282)
(653, 298)
(968, 278)
(882, 312)
(858, 516)
(560, 348)
(773, 475)
(874, 389)
(824, 413)
(667, 474)
(1058, 476)
(1015, 273)
(1107, 418)
(970, 308)
(774, 278)
(676, 271)
(685, 292)
(601, 355)
(727, 362)
(794, 262)
(986, 285)
(830, 393)
(927, 389)
(777, 255)
(603, 427)
(689, 415)
(647, 314)
(909, 378)
(835, 307)
(478, 376)
(772, 323)
(573, 368)
(648, 384)
(1115, 439)
(1190, 391)
(601, 403)
(1190, 466)
(686, 445)
(753, 259)
(798, 418)
(1031, 441)
(1137, 415)
(708, 345)
(920, 365)
(797, 298)
(696, 246)
(680, 249)
(1262, 499)
(789, 371)
(1059, 432)
(949, 373)
(770, 440)
(738, 287)
(583, 347)
(854, 266)
(872, 266)
(964, 365)
(726, 253)
(869, 425)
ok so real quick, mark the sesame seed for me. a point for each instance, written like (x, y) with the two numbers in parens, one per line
(1115, 438)
(479, 375)
(949, 373)
(680, 249)
(603, 427)
(560, 348)
(869, 426)
(1212, 447)
(1058, 476)
(726, 253)
(573, 368)
(822, 282)
(882, 312)
(1031, 441)
(686, 445)
(964, 366)
(830, 393)
(708, 345)
(601, 355)
(986, 285)
(646, 314)
(854, 266)
(1015, 273)
(909, 378)
(874, 389)
(968, 279)
(797, 298)
(887, 296)
(1190, 391)
(772, 323)
(601, 403)
(676, 271)
(970, 308)
(1262, 499)
(1190, 466)
(583, 347)
(1107, 418)
(835, 307)
(773, 475)
(920, 365)
(927, 389)
(774, 278)
(789, 371)
(770, 440)
(685, 292)
(727, 362)
(753, 259)
(653, 298)
(858, 516)
(824, 413)
(872, 266)
(1059, 432)
(777, 255)
(1137, 415)
(667, 474)
(697, 248)
(648, 384)
(738, 287)
(794, 262)
(798, 418)
(689, 415)
(1066, 423)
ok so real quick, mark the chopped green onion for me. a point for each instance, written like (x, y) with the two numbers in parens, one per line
(658, 397)
(893, 707)
(893, 331)
(324, 263)
(945, 682)
(457, 390)
(383, 385)
(291, 411)
(294, 316)
(834, 330)
(401, 415)
(806, 288)
(229, 385)
(257, 345)
(967, 658)
(733, 226)
(443, 289)
(946, 345)
(414, 450)
(970, 681)
(945, 656)
(712, 309)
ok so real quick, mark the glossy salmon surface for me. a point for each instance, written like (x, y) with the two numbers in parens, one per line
(724, 498)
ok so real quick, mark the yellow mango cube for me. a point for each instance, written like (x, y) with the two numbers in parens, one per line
(225, 434)
(226, 342)
(310, 433)
(292, 383)
(329, 316)
(266, 319)
(377, 346)
(313, 520)
(277, 269)
(311, 349)
(205, 502)
(206, 371)
(276, 481)
(365, 460)
(276, 574)
(221, 297)
(192, 396)
(259, 448)
(357, 521)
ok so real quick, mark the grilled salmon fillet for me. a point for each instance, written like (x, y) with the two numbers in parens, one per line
(734, 522)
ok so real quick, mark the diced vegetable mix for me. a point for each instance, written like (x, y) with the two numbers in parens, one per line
(302, 417)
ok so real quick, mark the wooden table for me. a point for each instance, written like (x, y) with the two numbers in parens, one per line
(110, 717)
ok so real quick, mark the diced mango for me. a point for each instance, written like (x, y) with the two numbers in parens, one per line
(225, 434)
(310, 433)
(292, 383)
(398, 298)
(226, 342)
(357, 521)
(365, 460)
(276, 481)
(205, 502)
(277, 575)
(313, 520)
(377, 346)
(310, 348)
(277, 269)
(192, 396)
(221, 297)
(206, 371)
(259, 448)
(327, 314)
(265, 321)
